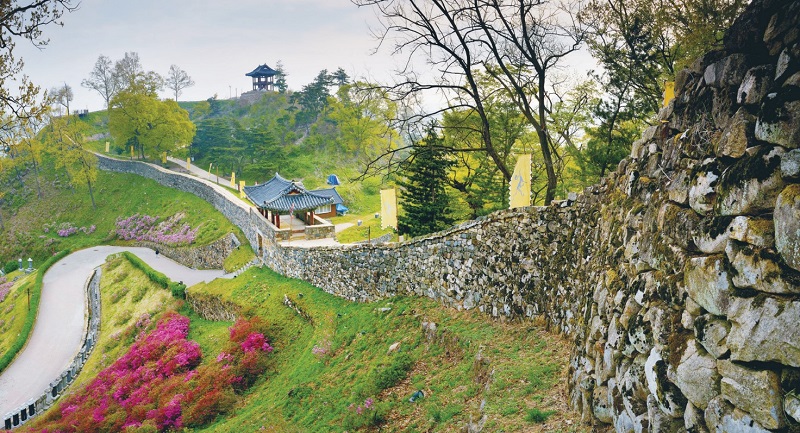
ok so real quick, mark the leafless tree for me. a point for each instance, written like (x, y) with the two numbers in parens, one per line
(520, 43)
(62, 96)
(442, 32)
(177, 80)
(20, 20)
(102, 79)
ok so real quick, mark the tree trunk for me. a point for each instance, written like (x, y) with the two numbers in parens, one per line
(91, 194)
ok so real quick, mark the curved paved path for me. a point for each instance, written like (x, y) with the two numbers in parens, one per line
(60, 323)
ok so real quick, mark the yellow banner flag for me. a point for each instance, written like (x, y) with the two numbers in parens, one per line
(233, 179)
(164, 158)
(131, 152)
(388, 208)
(107, 144)
(241, 189)
(669, 92)
(520, 185)
(188, 163)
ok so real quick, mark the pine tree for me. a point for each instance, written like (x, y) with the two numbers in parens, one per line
(426, 205)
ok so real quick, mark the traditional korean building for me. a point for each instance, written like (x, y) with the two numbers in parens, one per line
(280, 196)
(336, 207)
(263, 78)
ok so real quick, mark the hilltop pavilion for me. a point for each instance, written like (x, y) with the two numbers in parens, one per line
(263, 77)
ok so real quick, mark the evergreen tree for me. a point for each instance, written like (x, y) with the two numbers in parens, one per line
(426, 205)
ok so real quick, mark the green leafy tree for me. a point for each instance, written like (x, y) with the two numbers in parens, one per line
(280, 78)
(66, 140)
(313, 98)
(139, 119)
(425, 202)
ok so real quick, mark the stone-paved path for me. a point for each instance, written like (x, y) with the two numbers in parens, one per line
(60, 323)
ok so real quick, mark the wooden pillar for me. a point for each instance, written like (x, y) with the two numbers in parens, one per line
(278, 220)
(311, 218)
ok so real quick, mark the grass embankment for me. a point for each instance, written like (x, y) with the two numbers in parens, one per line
(32, 230)
(335, 355)
(20, 311)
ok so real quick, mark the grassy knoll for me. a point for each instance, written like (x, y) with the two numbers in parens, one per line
(14, 309)
(31, 230)
(335, 355)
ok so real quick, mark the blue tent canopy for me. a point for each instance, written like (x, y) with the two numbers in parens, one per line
(333, 180)
(341, 209)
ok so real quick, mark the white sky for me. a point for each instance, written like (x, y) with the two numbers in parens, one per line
(215, 42)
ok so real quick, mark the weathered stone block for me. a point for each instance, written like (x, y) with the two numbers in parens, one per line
(790, 165)
(678, 223)
(752, 184)
(693, 419)
(755, 85)
(696, 375)
(758, 269)
(602, 404)
(669, 397)
(779, 122)
(708, 283)
(659, 422)
(712, 332)
(752, 230)
(765, 328)
(712, 236)
(738, 136)
(724, 418)
(787, 225)
(791, 405)
(702, 190)
(757, 392)
(726, 72)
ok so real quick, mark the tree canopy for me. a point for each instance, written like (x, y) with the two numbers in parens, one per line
(151, 126)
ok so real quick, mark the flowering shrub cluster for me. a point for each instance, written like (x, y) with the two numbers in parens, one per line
(321, 349)
(363, 415)
(67, 229)
(159, 384)
(147, 228)
(5, 287)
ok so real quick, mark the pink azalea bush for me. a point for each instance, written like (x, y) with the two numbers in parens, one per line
(159, 384)
(140, 227)
(5, 287)
(67, 229)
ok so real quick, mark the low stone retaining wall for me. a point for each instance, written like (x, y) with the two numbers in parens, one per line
(49, 396)
(209, 256)
(212, 307)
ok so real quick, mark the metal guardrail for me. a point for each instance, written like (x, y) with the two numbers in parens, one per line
(56, 388)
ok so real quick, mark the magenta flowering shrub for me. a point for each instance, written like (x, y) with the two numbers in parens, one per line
(159, 383)
(147, 228)
(363, 415)
(5, 287)
(67, 229)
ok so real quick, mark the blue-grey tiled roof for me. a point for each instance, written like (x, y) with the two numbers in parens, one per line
(279, 194)
(262, 71)
(329, 192)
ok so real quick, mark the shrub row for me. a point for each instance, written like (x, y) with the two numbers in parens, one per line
(178, 290)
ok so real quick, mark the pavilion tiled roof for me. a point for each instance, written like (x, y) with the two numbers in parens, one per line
(262, 71)
(329, 192)
(281, 195)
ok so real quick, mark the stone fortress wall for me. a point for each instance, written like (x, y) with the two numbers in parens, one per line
(678, 276)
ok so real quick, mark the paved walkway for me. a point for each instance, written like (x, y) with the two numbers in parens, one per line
(203, 174)
(60, 323)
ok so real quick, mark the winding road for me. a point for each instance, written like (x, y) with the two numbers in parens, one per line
(62, 317)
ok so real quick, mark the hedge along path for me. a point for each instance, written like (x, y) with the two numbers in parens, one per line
(62, 317)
